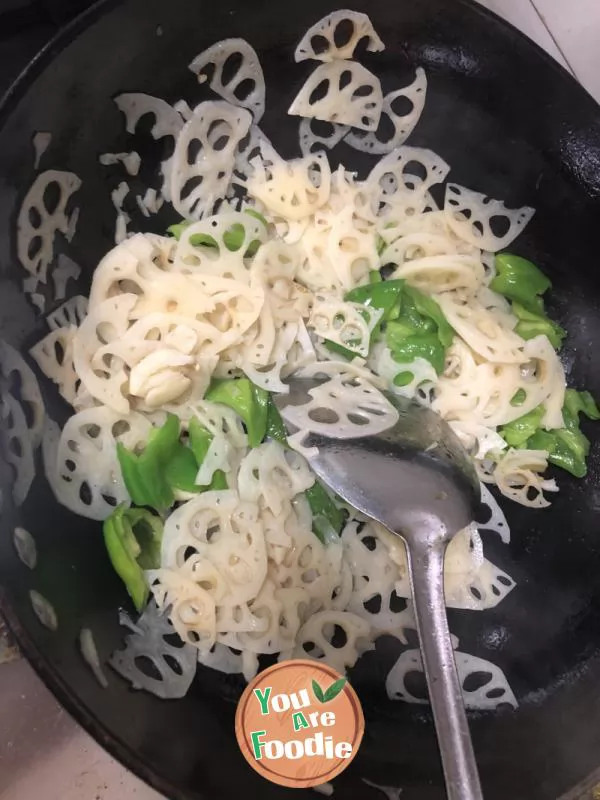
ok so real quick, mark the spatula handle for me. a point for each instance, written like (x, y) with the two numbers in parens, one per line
(426, 564)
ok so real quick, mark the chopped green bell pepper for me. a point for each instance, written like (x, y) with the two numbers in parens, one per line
(427, 346)
(579, 403)
(145, 475)
(133, 538)
(182, 470)
(325, 512)
(249, 402)
(200, 441)
(275, 426)
(427, 307)
(385, 296)
(519, 431)
(568, 448)
(532, 324)
(520, 280)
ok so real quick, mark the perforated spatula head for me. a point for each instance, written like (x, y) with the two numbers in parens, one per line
(413, 475)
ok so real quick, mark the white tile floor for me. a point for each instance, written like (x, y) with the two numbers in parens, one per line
(567, 29)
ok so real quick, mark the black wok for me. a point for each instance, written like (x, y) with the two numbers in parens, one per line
(511, 123)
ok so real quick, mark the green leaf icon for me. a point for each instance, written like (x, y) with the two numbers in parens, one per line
(318, 692)
(333, 691)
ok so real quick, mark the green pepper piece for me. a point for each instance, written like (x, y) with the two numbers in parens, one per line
(182, 470)
(566, 449)
(178, 228)
(412, 320)
(520, 280)
(427, 346)
(133, 538)
(145, 475)
(375, 276)
(518, 397)
(219, 482)
(579, 403)
(339, 349)
(200, 440)
(380, 244)
(325, 512)
(517, 432)
(385, 296)
(531, 324)
(275, 426)
(403, 378)
(427, 307)
(248, 401)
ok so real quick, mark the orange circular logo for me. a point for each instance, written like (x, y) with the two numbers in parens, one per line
(299, 723)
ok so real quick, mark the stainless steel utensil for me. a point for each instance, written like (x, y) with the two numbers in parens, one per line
(416, 480)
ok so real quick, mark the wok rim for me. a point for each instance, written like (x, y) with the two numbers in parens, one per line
(51, 677)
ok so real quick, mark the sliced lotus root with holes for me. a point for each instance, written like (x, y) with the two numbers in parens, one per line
(492, 517)
(105, 324)
(316, 639)
(291, 189)
(352, 252)
(342, 409)
(397, 188)
(374, 577)
(83, 468)
(42, 215)
(65, 270)
(221, 528)
(136, 266)
(308, 565)
(191, 608)
(54, 356)
(246, 86)
(370, 564)
(148, 650)
(403, 124)
(230, 235)
(250, 147)
(471, 581)
(487, 334)
(348, 324)
(490, 687)
(482, 221)
(270, 476)
(324, 41)
(444, 273)
(311, 141)
(223, 659)
(270, 377)
(16, 445)
(204, 157)
(70, 314)
(343, 92)
(167, 123)
(519, 475)
(22, 383)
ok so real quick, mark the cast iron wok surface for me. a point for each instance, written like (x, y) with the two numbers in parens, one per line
(511, 123)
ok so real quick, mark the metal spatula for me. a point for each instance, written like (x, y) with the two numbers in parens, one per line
(416, 479)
